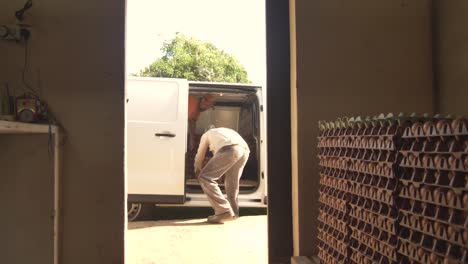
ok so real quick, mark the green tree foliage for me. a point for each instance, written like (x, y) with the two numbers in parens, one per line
(194, 60)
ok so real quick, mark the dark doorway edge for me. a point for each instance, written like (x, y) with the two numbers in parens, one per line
(280, 238)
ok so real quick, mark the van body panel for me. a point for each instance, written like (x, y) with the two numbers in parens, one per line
(156, 136)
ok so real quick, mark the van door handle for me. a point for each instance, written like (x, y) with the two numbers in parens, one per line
(165, 135)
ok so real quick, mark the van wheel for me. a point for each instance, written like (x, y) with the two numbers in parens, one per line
(133, 211)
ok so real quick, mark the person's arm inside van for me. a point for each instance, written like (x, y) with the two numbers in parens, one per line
(202, 148)
(192, 124)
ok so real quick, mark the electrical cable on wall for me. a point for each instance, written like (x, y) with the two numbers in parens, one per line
(48, 115)
(25, 67)
(29, 107)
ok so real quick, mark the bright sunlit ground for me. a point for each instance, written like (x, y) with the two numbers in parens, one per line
(197, 242)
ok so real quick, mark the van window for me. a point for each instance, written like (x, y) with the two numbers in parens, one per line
(153, 102)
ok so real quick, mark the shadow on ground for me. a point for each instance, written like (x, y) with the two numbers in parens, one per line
(146, 224)
(153, 216)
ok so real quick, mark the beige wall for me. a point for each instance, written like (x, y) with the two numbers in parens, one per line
(451, 36)
(77, 63)
(360, 57)
(25, 199)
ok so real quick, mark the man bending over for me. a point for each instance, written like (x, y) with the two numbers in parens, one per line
(230, 154)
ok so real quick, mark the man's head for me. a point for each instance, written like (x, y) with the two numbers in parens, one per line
(206, 102)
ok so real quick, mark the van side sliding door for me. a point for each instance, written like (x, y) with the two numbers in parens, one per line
(156, 139)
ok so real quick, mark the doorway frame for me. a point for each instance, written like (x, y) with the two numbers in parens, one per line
(280, 230)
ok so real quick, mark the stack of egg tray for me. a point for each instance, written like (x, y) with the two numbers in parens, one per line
(373, 177)
(434, 191)
(333, 233)
(359, 159)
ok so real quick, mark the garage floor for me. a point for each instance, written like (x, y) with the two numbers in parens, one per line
(194, 241)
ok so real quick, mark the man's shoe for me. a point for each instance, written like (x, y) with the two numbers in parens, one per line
(221, 218)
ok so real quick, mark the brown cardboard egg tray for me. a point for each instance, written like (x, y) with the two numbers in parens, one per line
(365, 255)
(334, 218)
(373, 155)
(371, 234)
(329, 256)
(433, 212)
(332, 182)
(360, 258)
(377, 194)
(329, 233)
(328, 200)
(446, 162)
(419, 246)
(331, 225)
(336, 239)
(369, 128)
(432, 129)
(339, 215)
(435, 229)
(326, 257)
(443, 146)
(454, 180)
(332, 172)
(375, 168)
(375, 246)
(338, 252)
(336, 193)
(338, 243)
(334, 152)
(379, 208)
(336, 163)
(386, 169)
(384, 223)
(336, 132)
(373, 180)
(372, 143)
(334, 142)
(333, 193)
(435, 195)
(415, 254)
(359, 142)
(355, 155)
(377, 253)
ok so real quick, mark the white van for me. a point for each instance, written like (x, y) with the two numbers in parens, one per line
(159, 164)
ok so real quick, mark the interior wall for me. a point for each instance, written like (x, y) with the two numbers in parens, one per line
(451, 51)
(361, 57)
(26, 199)
(77, 65)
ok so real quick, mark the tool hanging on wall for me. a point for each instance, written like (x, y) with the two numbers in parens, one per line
(20, 31)
(20, 13)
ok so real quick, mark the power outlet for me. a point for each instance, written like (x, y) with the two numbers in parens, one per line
(17, 32)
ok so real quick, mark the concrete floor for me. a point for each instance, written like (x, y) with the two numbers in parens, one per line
(193, 241)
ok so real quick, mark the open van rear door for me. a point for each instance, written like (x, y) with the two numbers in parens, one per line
(156, 139)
